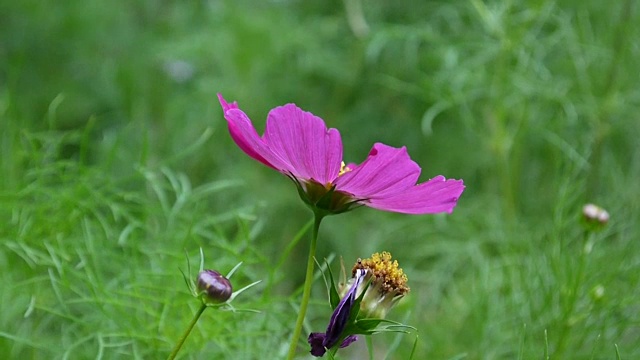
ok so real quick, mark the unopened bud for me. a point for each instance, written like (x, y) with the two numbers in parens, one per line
(215, 287)
(597, 292)
(594, 213)
(594, 218)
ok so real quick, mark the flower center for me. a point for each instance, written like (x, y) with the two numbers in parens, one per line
(389, 277)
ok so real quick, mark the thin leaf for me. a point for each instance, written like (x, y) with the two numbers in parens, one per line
(413, 349)
(334, 297)
(367, 324)
(187, 281)
(236, 293)
(234, 270)
(202, 260)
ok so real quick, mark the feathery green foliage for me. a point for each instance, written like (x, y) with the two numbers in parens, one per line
(115, 161)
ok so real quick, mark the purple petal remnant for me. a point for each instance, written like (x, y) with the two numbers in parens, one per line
(341, 313)
(299, 145)
(316, 341)
(215, 287)
(320, 342)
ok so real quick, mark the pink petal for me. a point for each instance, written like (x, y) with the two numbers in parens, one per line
(307, 148)
(226, 106)
(434, 196)
(246, 136)
(386, 171)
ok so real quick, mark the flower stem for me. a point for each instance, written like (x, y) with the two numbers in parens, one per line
(306, 293)
(174, 353)
(573, 298)
(334, 350)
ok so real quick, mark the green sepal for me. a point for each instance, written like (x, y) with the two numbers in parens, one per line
(303, 195)
(322, 200)
(325, 200)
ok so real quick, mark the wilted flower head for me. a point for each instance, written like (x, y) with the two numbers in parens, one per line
(377, 284)
(388, 284)
(320, 342)
(299, 145)
(214, 287)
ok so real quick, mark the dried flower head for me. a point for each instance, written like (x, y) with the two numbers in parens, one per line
(377, 284)
(388, 284)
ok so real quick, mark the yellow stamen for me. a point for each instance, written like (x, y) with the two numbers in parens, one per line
(343, 169)
(389, 277)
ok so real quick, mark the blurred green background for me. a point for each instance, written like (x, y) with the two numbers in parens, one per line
(116, 162)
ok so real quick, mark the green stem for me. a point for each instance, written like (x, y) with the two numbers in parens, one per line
(306, 293)
(601, 127)
(573, 298)
(334, 350)
(174, 353)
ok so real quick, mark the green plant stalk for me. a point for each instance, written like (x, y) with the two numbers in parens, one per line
(308, 280)
(333, 351)
(195, 319)
(566, 328)
(601, 127)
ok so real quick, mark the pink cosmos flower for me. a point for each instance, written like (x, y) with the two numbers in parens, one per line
(299, 145)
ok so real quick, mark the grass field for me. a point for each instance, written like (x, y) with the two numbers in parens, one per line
(117, 170)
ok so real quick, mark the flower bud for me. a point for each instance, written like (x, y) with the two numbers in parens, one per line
(594, 218)
(594, 213)
(214, 287)
(597, 292)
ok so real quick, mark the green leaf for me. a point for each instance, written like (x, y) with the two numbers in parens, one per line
(372, 326)
(368, 324)
(413, 349)
(334, 297)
